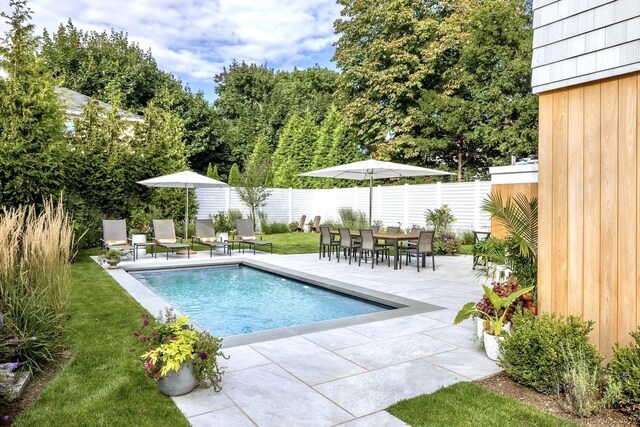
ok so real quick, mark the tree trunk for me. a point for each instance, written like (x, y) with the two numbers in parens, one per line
(460, 166)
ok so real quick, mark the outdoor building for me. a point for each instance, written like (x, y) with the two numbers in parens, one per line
(586, 63)
(74, 103)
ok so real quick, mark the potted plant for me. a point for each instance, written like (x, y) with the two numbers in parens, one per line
(222, 225)
(112, 257)
(178, 356)
(495, 319)
(140, 228)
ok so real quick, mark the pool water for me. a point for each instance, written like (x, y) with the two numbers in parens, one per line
(237, 300)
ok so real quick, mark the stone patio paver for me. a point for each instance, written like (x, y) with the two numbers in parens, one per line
(270, 396)
(348, 374)
(471, 364)
(307, 361)
(395, 350)
(379, 419)
(376, 390)
(228, 417)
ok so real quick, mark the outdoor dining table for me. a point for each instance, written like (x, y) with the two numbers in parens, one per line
(396, 238)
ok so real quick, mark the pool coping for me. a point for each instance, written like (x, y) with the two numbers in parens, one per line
(153, 303)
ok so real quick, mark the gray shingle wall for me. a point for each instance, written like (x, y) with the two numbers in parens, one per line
(577, 41)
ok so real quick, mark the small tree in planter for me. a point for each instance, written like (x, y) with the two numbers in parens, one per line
(445, 242)
(252, 190)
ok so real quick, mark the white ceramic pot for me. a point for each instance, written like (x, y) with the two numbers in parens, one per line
(223, 237)
(479, 327)
(139, 238)
(491, 346)
(178, 383)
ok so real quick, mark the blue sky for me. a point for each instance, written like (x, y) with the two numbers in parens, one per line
(194, 39)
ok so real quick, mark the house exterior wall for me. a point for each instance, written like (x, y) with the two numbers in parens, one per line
(578, 41)
(589, 218)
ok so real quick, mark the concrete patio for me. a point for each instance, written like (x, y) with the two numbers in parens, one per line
(348, 375)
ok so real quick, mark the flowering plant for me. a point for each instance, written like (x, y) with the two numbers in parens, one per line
(171, 341)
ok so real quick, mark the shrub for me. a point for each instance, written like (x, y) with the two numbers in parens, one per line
(293, 226)
(624, 370)
(446, 244)
(233, 215)
(353, 219)
(537, 352)
(581, 382)
(275, 228)
(466, 237)
(439, 219)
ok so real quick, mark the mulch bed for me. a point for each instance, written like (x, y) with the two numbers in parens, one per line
(33, 389)
(503, 385)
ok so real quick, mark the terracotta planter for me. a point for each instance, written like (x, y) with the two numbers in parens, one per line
(178, 383)
(491, 346)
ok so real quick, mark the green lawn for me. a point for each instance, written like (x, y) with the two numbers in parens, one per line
(294, 243)
(103, 383)
(469, 405)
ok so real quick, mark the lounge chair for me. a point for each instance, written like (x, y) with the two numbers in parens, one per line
(368, 246)
(300, 227)
(247, 235)
(206, 235)
(315, 227)
(347, 243)
(422, 249)
(164, 235)
(114, 236)
(326, 241)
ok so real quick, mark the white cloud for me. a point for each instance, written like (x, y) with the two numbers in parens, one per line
(196, 38)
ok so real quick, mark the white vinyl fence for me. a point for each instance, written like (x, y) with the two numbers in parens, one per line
(404, 204)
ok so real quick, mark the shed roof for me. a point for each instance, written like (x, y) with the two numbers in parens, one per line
(75, 102)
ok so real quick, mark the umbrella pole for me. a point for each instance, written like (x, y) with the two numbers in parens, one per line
(370, 196)
(186, 215)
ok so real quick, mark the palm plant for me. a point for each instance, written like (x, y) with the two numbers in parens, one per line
(519, 216)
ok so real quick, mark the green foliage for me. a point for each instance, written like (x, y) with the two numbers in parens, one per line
(252, 190)
(519, 216)
(624, 370)
(221, 223)
(256, 102)
(171, 342)
(466, 237)
(353, 219)
(234, 176)
(261, 154)
(212, 172)
(31, 121)
(275, 228)
(446, 244)
(292, 154)
(449, 81)
(501, 305)
(538, 351)
(102, 384)
(31, 333)
(581, 383)
(439, 219)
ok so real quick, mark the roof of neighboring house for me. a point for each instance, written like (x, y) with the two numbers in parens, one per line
(75, 103)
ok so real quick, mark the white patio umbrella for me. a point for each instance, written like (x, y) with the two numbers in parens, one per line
(373, 169)
(186, 180)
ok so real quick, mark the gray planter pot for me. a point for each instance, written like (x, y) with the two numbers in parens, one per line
(178, 383)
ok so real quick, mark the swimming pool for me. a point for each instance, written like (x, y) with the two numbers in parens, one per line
(234, 300)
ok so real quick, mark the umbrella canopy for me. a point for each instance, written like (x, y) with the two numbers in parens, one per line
(373, 169)
(186, 180)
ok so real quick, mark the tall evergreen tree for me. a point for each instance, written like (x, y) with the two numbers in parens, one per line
(234, 176)
(31, 120)
(261, 154)
(212, 172)
(344, 149)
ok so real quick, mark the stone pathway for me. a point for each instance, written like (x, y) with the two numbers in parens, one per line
(348, 376)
